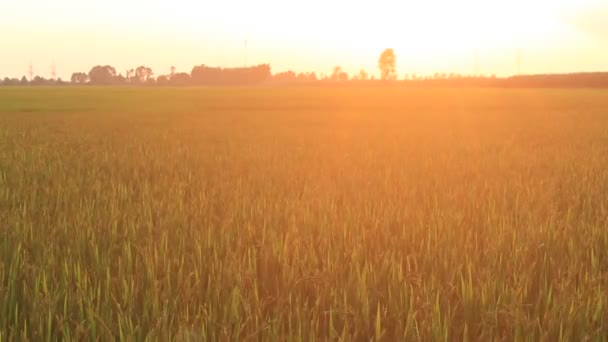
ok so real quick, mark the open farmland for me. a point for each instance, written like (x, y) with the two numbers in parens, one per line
(293, 214)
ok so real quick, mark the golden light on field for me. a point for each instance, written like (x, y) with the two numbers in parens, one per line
(428, 36)
(303, 213)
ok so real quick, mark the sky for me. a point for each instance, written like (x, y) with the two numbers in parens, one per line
(461, 36)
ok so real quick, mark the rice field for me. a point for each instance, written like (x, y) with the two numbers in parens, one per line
(303, 214)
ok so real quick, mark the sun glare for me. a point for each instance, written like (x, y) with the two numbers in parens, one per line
(427, 32)
(307, 36)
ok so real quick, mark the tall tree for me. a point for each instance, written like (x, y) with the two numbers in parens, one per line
(387, 65)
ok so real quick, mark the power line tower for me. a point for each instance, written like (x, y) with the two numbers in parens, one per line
(30, 72)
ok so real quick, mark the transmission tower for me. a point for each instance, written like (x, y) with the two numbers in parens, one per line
(30, 72)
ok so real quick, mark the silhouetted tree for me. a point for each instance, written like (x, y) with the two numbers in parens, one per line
(180, 79)
(387, 65)
(38, 81)
(23, 81)
(143, 74)
(120, 79)
(162, 80)
(79, 78)
(338, 75)
(204, 75)
(287, 76)
(362, 76)
(102, 74)
(10, 81)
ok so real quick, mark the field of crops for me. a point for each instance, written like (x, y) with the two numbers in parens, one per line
(298, 214)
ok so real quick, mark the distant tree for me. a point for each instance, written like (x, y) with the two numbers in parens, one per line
(287, 76)
(130, 75)
(306, 77)
(120, 79)
(11, 81)
(102, 74)
(204, 75)
(362, 75)
(338, 75)
(387, 65)
(180, 79)
(24, 80)
(143, 74)
(162, 80)
(79, 78)
(335, 73)
(38, 81)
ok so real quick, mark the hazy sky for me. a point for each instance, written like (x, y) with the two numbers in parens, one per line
(313, 35)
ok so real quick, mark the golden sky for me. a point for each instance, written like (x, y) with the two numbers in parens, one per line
(314, 35)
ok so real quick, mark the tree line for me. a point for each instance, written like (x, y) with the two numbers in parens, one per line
(204, 75)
